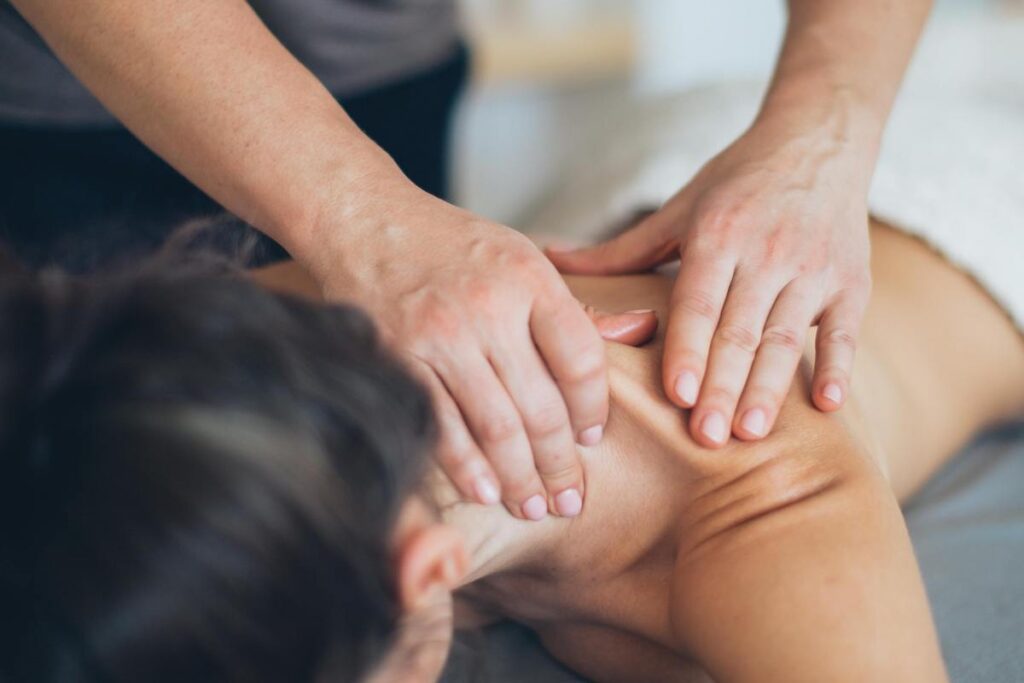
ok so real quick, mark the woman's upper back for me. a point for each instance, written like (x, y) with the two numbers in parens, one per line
(597, 588)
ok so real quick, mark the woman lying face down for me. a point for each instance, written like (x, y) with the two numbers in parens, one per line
(208, 481)
(204, 481)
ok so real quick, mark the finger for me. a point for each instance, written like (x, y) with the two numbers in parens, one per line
(546, 421)
(496, 426)
(574, 354)
(782, 345)
(836, 345)
(633, 328)
(640, 248)
(732, 353)
(694, 310)
(457, 452)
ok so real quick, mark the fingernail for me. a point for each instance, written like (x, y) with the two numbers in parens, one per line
(639, 311)
(686, 387)
(753, 422)
(591, 436)
(833, 393)
(569, 503)
(486, 491)
(713, 427)
(535, 508)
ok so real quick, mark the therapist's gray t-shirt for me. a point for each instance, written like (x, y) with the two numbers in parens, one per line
(351, 46)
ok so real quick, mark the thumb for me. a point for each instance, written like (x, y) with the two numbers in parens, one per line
(633, 328)
(640, 248)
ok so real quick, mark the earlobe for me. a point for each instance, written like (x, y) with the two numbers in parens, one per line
(429, 558)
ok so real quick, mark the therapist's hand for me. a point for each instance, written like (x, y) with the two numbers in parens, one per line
(772, 237)
(515, 365)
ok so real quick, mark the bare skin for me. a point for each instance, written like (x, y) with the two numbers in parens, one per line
(772, 232)
(517, 373)
(784, 559)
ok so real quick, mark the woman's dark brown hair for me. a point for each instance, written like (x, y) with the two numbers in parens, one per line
(198, 480)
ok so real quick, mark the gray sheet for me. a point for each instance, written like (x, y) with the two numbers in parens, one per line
(968, 529)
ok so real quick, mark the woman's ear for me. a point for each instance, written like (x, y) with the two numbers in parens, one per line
(429, 556)
(430, 562)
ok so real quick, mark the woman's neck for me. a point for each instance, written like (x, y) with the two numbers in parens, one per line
(630, 495)
(494, 540)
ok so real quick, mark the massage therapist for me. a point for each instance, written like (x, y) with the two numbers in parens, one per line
(242, 99)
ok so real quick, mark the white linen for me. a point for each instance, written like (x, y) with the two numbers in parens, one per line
(950, 172)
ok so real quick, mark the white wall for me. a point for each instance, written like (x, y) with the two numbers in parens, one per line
(690, 42)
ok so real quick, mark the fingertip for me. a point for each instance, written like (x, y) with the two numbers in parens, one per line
(632, 327)
(569, 503)
(710, 429)
(683, 388)
(591, 436)
(534, 508)
(830, 396)
(752, 424)
(486, 491)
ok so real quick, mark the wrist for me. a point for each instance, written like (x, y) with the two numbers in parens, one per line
(349, 204)
(830, 118)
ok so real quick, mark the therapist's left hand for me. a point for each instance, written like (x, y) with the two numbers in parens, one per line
(772, 237)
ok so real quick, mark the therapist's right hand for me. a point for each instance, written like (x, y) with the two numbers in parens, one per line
(515, 366)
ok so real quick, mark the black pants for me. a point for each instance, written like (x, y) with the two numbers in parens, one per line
(88, 198)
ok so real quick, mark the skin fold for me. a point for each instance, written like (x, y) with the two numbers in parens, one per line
(785, 559)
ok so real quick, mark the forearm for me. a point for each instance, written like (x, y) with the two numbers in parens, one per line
(208, 87)
(801, 569)
(841, 66)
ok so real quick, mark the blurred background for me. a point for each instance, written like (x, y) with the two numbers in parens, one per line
(549, 73)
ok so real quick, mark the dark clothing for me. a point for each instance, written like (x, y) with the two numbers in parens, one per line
(84, 198)
(352, 46)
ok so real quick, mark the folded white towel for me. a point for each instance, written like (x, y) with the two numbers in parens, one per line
(950, 172)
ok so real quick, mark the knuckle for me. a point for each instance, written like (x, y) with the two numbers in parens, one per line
(559, 471)
(437, 321)
(546, 421)
(685, 358)
(700, 304)
(482, 296)
(840, 337)
(719, 217)
(526, 259)
(715, 395)
(456, 452)
(783, 337)
(766, 395)
(499, 428)
(586, 365)
(738, 336)
(517, 488)
(816, 261)
(460, 467)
